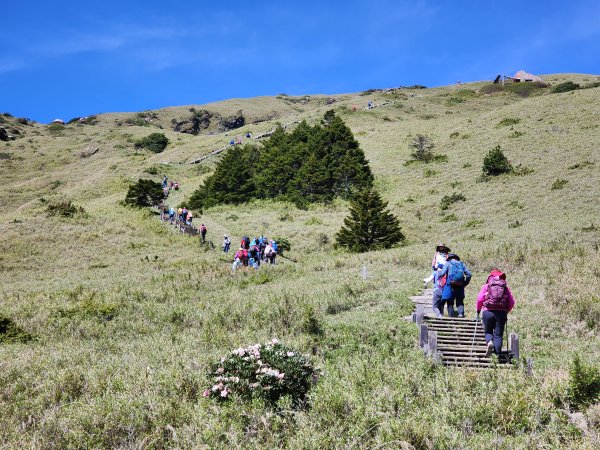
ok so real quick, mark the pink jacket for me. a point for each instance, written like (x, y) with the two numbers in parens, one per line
(481, 295)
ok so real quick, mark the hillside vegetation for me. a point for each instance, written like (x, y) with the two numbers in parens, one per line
(114, 319)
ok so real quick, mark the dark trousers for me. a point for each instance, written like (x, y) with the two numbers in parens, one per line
(493, 324)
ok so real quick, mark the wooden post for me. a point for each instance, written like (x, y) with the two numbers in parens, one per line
(432, 340)
(420, 314)
(424, 335)
(514, 345)
(529, 370)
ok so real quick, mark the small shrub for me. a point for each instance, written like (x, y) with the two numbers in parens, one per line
(454, 100)
(11, 333)
(144, 193)
(565, 87)
(581, 165)
(64, 209)
(55, 128)
(90, 309)
(267, 372)
(152, 170)
(448, 200)
(466, 165)
(155, 142)
(491, 89)
(508, 121)
(520, 170)
(449, 218)
(428, 173)
(454, 135)
(525, 89)
(584, 384)
(313, 221)
(283, 244)
(232, 217)
(496, 163)
(516, 134)
(558, 184)
(515, 224)
(587, 310)
(472, 223)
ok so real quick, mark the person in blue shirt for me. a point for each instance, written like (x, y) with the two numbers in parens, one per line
(458, 277)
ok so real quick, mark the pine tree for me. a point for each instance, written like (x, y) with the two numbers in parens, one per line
(369, 226)
(496, 163)
(423, 148)
(144, 193)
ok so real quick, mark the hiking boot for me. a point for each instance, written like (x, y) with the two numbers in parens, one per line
(490, 349)
(462, 316)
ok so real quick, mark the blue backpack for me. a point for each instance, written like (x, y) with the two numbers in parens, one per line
(456, 274)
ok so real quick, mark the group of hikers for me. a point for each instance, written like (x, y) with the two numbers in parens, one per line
(451, 276)
(167, 185)
(180, 217)
(238, 140)
(252, 252)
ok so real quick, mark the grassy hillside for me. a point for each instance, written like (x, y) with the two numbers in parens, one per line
(125, 315)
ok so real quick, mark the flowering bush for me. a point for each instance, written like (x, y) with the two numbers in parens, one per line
(268, 371)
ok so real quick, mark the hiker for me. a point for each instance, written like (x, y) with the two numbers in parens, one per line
(438, 285)
(171, 184)
(439, 259)
(254, 254)
(370, 105)
(226, 243)
(171, 214)
(179, 212)
(203, 232)
(249, 135)
(246, 243)
(165, 192)
(184, 213)
(458, 277)
(238, 259)
(232, 142)
(164, 181)
(189, 218)
(271, 251)
(494, 302)
(176, 185)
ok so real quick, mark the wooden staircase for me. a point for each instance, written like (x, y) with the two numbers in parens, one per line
(457, 341)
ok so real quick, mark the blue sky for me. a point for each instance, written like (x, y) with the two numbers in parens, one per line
(68, 59)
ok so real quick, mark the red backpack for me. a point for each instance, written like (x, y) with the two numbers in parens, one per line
(496, 295)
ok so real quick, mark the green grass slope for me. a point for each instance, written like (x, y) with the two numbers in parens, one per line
(125, 315)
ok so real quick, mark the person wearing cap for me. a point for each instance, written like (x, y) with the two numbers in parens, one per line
(226, 243)
(458, 276)
(439, 259)
(494, 302)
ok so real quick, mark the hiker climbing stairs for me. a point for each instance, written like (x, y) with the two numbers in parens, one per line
(457, 341)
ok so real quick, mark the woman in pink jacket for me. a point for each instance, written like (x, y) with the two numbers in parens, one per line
(496, 301)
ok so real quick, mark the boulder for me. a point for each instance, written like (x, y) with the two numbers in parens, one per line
(4, 135)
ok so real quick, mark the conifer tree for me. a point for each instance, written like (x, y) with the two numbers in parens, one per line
(144, 193)
(370, 226)
(496, 163)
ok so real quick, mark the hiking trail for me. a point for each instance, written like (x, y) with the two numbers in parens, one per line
(455, 341)
(256, 138)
